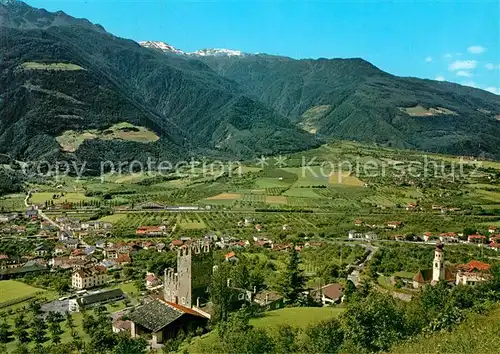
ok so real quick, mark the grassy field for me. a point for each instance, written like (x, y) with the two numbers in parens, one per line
(30, 65)
(310, 116)
(419, 111)
(12, 202)
(299, 317)
(40, 198)
(344, 178)
(11, 290)
(71, 140)
(477, 335)
(226, 196)
(115, 218)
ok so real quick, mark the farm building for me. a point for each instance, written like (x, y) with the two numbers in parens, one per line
(163, 320)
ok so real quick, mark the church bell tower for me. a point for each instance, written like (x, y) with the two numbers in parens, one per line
(438, 265)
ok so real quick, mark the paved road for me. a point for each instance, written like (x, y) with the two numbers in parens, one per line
(40, 212)
(355, 275)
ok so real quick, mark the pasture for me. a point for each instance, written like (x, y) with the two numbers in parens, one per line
(31, 65)
(14, 292)
(71, 197)
(299, 317)
(71, 140)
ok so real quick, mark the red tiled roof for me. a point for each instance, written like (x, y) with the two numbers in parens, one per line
(147, 229)
(448, 234)
(100, 268)
(123, 258)
(4, 256)
(151, 278)
(230, 255)
(476, 236)
(333, 291)
(474, 265)
(184, 309)
(124, 325)
(177, 243)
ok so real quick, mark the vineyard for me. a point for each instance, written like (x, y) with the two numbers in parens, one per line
(222, 222)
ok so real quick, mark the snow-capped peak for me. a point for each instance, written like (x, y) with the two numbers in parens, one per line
(218, 52)
(164, 47)
(214, 52)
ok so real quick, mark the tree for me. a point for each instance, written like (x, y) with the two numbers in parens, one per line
(69, 321)
(22, 348)
(324, 337)
(292, 281)
(35, 307)
(238, 336)
(20, 326)
(284, 340)
(127, 345)
(349, 290)
(374, 322)
(39, 349)
(220, 293)
(330, 272)
(4, 331)
(38, 330)
(53, 319)
(98, 327)
(240, 275)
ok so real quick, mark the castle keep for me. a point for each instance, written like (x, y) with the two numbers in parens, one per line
(188, 284)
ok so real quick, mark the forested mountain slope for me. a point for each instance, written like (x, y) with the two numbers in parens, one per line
(62, 77)
(352, 99)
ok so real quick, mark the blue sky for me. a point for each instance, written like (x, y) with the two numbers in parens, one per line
(453, 40)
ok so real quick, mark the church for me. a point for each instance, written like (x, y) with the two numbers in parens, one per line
(185, 288)
(463, 274)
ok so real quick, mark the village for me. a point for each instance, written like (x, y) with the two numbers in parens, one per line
(176, 298)
(169, 261)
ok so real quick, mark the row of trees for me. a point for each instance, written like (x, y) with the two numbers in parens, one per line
(40, 334)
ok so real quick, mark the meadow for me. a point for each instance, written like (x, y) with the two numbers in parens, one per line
(15, 292)
(299, 317)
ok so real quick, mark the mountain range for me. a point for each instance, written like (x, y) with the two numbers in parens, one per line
(71, 90)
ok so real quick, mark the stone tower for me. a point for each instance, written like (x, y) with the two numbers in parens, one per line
(189, 283)
(438, 265)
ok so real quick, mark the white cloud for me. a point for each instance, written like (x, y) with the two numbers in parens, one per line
(476, 49)
(469, 83)
(462, 65)
(464, 73)
(494, 90)
(448, 56)
(439, 78)
(491, 66)
(428, 59)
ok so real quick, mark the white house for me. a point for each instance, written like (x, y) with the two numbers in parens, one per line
(7, 217)
(89, 278)
(371, 236)
(355, 235)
